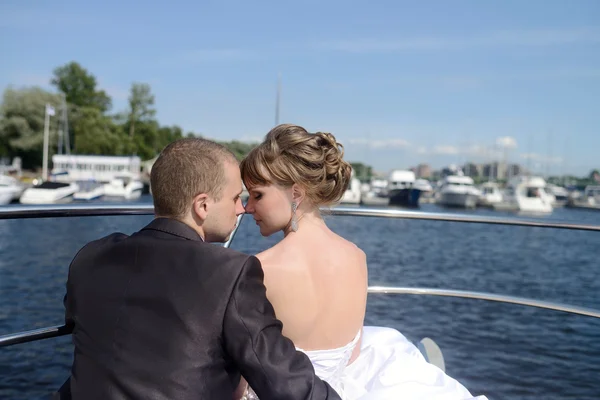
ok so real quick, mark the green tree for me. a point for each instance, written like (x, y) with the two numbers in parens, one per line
(79, 87)
(146, 141)
(96, 133)
(239, 149)
(141, 101)
(22, 116)
(361, 171)
(166, 135)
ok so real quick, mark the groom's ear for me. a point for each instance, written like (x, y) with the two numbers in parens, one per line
(200, 206)
(298, 193)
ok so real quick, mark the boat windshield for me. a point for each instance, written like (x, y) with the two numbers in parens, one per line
(52, 185)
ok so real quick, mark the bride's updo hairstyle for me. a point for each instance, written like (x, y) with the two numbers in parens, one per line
(290, 155)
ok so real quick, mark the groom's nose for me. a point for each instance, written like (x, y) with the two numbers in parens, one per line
(239, 207)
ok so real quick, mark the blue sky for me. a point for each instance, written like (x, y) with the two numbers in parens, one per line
(396, 82)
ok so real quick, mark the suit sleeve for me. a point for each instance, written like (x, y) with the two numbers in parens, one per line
(252, 337)
(68, 302)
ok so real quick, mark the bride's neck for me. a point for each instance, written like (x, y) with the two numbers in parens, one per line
(306, 219)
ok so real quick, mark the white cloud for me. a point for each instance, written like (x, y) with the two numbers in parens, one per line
(478, 150)
(251, 139)
(542, 158)
(475, 150)
(422, 150)
(446, 150)
(506, 142)
(208, 55)
(378, 144)
(115, 92)
(530, 38)
(460, 82)
(27, 79)
(30, 19)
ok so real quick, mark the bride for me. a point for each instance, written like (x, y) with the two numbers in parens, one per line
(317, 281)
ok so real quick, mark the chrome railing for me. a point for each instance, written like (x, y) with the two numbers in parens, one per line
(465, 294)
(52, 211)
(60, 330)
(90, 210)
(35, 334)
(74, 210)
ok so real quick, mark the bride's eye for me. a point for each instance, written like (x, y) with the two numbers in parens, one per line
(257, 196)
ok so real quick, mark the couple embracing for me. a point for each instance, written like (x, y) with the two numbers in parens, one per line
(165, 314)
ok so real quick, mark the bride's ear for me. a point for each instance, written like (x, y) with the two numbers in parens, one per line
(298, 193)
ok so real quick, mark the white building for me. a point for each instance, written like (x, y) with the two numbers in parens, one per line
(73, 168)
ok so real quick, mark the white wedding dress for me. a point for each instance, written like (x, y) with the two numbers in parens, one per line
(388, 367)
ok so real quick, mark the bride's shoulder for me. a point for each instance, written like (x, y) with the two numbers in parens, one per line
(355, 251)
(273, 255)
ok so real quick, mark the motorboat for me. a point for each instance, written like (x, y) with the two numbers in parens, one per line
(527, 194)
(352, 195)
(10, 189)
(402, 189)
(458, 191)
(124, 186)
(490, 195)
(49, 192)
(89, 191)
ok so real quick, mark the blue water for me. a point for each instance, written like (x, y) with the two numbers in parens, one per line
(502, 351)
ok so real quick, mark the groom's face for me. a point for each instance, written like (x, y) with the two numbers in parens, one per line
(222, 215)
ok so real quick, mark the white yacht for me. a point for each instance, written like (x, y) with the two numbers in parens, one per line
(592, 194)
(89, 191)
(49, 192)
(10, 189)
(375, 193)
(561, 195)
(378, 187)
(423, 185)
(352, 195)
(527, 194)
(400, 179)
(458, 191)
(404, 189)
(589, 198)
(6, 195)
(490, 195)
(124, 186)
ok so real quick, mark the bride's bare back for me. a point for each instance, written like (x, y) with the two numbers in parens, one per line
(315, 279)
(317, 283)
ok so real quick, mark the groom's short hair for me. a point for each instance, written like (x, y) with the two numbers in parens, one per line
(184, 169)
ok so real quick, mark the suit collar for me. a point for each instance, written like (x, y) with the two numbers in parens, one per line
(173, 227)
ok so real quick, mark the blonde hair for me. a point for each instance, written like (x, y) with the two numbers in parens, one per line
(184, 169)
(291, 155)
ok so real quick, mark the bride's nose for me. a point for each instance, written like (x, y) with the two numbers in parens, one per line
(249, 208)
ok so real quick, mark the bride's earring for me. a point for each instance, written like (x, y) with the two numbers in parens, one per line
(294, 217)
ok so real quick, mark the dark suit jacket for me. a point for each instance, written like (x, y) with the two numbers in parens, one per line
(162, 315)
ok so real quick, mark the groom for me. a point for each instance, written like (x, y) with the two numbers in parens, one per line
(164, 314)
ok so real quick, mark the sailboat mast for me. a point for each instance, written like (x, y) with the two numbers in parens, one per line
(66, 126)
(63, 130)
(47, 112)
(277, 99)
